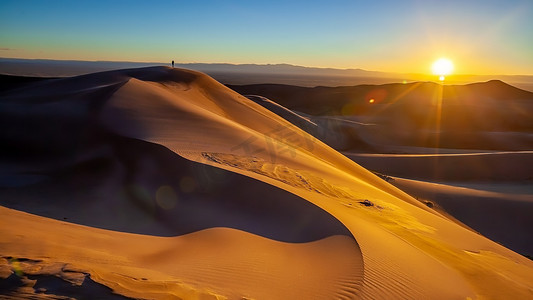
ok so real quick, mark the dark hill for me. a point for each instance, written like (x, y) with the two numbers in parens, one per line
(486, 106)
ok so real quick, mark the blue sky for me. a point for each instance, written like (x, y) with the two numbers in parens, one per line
(483, 37)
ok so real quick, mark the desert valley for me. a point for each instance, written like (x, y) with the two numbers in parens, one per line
(157, 182)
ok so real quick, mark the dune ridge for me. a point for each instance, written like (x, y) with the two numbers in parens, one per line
(397, 246)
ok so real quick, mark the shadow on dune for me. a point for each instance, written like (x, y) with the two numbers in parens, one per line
(134, 186)
(508, 216)
(338, 133)
(474, 167)
(56, 161)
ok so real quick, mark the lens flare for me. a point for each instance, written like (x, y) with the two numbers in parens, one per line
(166, 197)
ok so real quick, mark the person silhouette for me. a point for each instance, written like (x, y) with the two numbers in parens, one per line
(173, 64)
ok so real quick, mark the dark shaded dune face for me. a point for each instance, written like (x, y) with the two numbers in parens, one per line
(332, 100)
(51, 118)
(57, 161)
(287, 114)
(508, 217)
(483, 116)
(487, 167)
(335, 132)
(134, 186)
(30, 88)
(8, 82)
(508, 226)
(49, 126)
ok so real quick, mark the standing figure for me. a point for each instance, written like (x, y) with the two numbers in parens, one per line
(172, 64)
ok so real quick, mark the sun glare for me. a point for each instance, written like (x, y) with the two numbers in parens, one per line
(442, 67)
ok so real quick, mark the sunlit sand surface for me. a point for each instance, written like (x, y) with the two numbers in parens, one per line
(163, 183)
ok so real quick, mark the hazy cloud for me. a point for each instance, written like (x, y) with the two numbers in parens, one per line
(6, 49)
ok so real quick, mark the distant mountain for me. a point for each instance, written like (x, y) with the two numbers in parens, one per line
(283, 69)
(74, 67)
(61, 68)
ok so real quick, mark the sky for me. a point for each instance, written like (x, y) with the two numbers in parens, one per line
(480, 37)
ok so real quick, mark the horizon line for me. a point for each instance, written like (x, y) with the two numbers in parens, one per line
(260, 64)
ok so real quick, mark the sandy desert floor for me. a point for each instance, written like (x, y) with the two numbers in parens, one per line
(160, 183)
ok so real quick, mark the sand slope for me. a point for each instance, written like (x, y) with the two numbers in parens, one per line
(397, 247)
(215, 263)
(408, 133)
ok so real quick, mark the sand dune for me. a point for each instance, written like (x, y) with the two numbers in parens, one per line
(354, 100)
(485, 166)
(293, 218)
(482, 116)
(214, 263)
(507, 206)
(488, 164)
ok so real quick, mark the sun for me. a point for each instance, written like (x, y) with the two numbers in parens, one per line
(442, 67)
